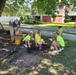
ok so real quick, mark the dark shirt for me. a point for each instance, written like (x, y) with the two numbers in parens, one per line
(14, 23)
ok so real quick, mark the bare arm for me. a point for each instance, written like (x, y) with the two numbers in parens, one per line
(18, 26)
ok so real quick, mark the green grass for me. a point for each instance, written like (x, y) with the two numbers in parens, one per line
(49, 24)
(61, 64)
(55, 25)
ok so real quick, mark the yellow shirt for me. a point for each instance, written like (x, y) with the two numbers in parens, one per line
(61, 40)
(37, 37)
(28, 37)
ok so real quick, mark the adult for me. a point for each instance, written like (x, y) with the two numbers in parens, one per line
(14, 25)
(59, 43)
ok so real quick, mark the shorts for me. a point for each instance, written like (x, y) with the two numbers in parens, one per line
(61, 46)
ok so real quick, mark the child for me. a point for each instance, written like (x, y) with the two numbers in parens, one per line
(59, 43)
(27, 39)
(60, 30)
(38, 40)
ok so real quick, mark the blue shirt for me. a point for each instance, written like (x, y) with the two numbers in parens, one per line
(14, 23)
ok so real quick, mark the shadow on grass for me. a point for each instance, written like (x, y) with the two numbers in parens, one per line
(61, 64)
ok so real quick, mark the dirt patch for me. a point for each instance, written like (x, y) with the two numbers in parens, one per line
(27, 60)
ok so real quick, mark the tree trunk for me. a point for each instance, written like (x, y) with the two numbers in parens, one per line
(2, 4)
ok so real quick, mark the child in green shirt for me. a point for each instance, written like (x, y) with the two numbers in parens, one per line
(38, 39)
(60, 30)
(59, 44)
(27, 39)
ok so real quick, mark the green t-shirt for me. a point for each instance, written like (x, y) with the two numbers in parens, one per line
(60, 31)
(28, 37)
(61, 40)
(37, 37)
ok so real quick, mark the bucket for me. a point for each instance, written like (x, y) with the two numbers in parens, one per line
(17, 41)
(20, 33)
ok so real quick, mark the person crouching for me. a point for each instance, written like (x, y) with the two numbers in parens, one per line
(59, 43)
(27, 39)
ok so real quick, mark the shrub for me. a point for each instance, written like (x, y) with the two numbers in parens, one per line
(67, 20)
(26, 19)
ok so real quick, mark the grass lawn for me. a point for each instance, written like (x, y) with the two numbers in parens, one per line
(61, 64)
(48, 24)
(68, 24)
(55, 25)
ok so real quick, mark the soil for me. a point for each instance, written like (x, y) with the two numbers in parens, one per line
(19, 55)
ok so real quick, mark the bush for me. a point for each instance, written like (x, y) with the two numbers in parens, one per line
(26, 19)
(67, 20)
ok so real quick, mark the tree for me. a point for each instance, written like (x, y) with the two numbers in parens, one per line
(67, 18)
(2, 4)
(12, 4)
(42, 6)
(15, 9)
(11, 8)
(49, 6)
(24, 9)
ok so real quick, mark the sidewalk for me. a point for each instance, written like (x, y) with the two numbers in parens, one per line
(46, 31)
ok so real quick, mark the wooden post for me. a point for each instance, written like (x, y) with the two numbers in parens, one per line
(1, 26)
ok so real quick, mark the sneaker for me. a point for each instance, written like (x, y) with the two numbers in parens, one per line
(40, 48)
(56, 52)
(25, 45)
(61, 49)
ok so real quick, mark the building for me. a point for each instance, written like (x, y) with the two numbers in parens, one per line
(59, 16)
(72, 13)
